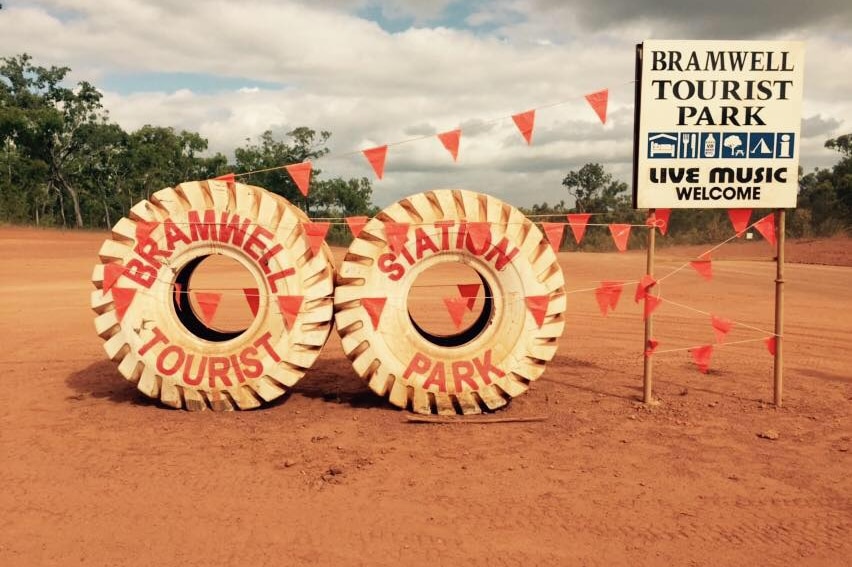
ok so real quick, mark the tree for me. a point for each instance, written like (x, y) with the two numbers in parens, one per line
(59, 151)
(842, 144)
(594, 190)
(44, 119)
(270, 153)
(842, 173)
(99, 170)
(159, 157)
(825, 195)
(340, 197)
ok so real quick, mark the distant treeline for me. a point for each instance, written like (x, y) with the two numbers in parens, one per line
(824, 206)
(64, 163)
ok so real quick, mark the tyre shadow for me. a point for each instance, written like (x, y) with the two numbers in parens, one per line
(599, 391)
(329, 381)
(334, 381)
(572, 373)
(101, 380)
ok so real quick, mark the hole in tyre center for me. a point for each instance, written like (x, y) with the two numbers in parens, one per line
(470, 302)
(209, 298)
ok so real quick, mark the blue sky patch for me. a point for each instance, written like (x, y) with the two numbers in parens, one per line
(374, 13)
(453, 16)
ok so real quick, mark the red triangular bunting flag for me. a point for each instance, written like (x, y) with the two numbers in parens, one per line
(315, 231)
(122, 297)
(376, 157)
(537, 304)
(651, 304)
(739, 219)
(252, 298)
(766, 227)
(229, 177)
(646, 283)
(554, 231)
(112, 272)
(179, 295)
(356, 225)
(651, 346)
(451, 142)
(290, 306)
(525, 121)
(578, 222)
(300, 173)
(620, 235)
(607, 296)
(721, 327)
(598, 102)
(771, 344)
(374, 307)
(208, 301)
(470, 292)
(663, 216)
(397, 235)
(602, 297)
(144, 230)
(614, 293)
(703, 267)
(456, 306)
(701, 357)
(479, 234)
(660, 219)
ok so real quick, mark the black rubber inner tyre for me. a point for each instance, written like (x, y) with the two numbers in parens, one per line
(185, 312)
(467, 335)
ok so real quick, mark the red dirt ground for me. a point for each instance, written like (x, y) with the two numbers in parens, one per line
(95, 474)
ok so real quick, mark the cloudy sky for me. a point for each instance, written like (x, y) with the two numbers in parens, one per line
(381, 72)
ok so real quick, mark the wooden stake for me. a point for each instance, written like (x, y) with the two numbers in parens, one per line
(647, 377)
(470, 420)
(778, 382)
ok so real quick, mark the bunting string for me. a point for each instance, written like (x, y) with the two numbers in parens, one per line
(524, 121)
(706, 254)
(607, 293)
(330, 221)
(341, 221)
(241, 292)
(738, 323)
(715, 346)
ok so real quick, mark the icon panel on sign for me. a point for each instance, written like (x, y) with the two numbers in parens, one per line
(761, 145)
(784, 143)
(662, 145)
(710, 145)
(689, 144)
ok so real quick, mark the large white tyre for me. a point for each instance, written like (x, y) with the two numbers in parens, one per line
(481, 367)
(150, 318)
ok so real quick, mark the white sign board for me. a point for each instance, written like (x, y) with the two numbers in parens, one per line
(718, 124)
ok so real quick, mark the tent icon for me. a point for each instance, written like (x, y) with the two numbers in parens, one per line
(761, 145)
(761, 148)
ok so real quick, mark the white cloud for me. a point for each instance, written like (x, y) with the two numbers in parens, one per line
(368, 86)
